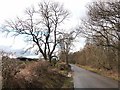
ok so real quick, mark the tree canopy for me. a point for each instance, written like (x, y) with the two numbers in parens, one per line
(102, 25)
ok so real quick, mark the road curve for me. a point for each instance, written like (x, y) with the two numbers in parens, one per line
(86, 79)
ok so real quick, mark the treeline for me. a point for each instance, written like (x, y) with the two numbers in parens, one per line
(96, 57)
(101, 29)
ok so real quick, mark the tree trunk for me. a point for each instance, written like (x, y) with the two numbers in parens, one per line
(50, 58)
(67, 63)
(118, 57)
(45, 57)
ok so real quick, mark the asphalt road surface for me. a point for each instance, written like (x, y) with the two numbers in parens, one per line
(86, 79)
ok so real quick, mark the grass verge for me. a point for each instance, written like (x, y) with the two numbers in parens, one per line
(68, 83)
(66, 71)
(110, 74)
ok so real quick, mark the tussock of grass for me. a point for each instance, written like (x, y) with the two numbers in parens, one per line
(103, 72)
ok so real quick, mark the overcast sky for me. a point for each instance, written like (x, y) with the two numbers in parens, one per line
(9, 9)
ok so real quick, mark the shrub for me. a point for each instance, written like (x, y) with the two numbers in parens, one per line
(10, 67)
(34, 75)
(63, 66)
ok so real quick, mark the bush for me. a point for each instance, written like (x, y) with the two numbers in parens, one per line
(10, 67)
(63, 66)
(34, 75)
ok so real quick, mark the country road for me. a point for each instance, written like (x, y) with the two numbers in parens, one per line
(86, 79)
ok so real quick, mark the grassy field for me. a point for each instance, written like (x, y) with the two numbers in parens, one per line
(34, 74)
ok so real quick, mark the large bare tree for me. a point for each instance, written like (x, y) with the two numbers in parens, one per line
(40, 27)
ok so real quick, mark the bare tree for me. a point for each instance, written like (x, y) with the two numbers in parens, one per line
(40, 27)
(102, 28)
(102, 25)
(65, 42)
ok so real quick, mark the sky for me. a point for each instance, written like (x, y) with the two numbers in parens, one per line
(10, 9)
